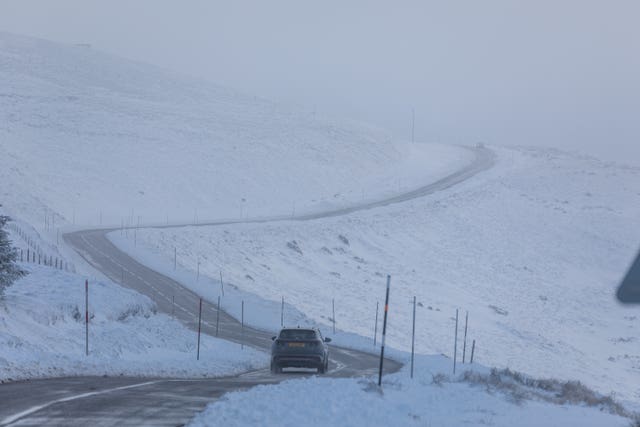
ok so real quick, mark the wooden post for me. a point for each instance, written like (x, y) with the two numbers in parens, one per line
(464, 345)
(375, 327)
(333, 310)
(384, 330)
(455, 345)
(199, 328)
(242, 326)
(413, 334)
(218, 316)
(221, 283)
(86, 317)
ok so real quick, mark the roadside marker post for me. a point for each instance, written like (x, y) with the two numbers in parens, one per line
(242, 326)
(384, 330)
(464, 344)
(86, 317)
(218, 316)
(413, 334)
(199, 328)
(375, 327)
(333, 316)
(455, 345)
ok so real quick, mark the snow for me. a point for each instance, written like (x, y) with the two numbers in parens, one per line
(42, 334)
(91, 139)
(403, 401)
(534, 249)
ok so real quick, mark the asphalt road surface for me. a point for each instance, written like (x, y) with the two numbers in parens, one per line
(123, 401)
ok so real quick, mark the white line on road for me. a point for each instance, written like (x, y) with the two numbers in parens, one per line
(13, 418)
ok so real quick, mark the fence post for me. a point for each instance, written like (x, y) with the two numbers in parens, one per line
(375, 327)
(218, 316)
(86, 317)
(199, 327)
(333, 317)
(464, 345)
(473, 347)
(455, 345)
(413, 334)
(384, 330)
(242, 325)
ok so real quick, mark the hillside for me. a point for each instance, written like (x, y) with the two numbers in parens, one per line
(100, 139)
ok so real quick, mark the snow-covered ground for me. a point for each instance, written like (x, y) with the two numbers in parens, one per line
(533, 249)
(87, 138)
(431, 398)
(42, 333)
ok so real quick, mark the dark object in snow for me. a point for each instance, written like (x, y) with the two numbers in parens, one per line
(629, 290)
(499, 310)
(293, 245)
(343, 239)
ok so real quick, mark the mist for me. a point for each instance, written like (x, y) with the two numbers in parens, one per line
(560, 74)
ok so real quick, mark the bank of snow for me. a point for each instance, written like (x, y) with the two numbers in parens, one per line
(42, 333)
(431, 398)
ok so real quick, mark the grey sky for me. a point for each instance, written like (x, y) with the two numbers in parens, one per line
(560, 73)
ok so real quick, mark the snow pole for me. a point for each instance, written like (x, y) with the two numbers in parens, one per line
(175, 258)
(464, 342)
(282, 313)
(473, 348)
(333, 315)
(375, 327)
(173, 306)
(455, 345)
(384, 330)
(199, 328)
(413, 334)
(218, 316)
(242, 326)
(86, 317)
(221, 283)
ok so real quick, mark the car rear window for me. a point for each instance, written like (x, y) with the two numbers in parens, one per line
(297, 334)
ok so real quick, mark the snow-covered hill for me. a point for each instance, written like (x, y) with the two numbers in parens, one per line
(99, 139)
(534, 249)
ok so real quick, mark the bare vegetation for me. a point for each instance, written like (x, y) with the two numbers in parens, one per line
(520, 387)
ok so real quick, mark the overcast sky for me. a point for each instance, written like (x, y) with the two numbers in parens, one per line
(563, 73)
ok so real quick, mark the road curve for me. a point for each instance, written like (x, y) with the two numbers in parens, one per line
(122, 401)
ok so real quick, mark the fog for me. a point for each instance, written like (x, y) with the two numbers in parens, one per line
(563, 74)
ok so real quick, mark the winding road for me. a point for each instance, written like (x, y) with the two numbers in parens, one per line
(123, 401)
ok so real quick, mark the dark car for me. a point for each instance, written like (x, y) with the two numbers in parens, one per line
(300, 348)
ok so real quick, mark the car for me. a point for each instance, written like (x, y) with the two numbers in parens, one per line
(299, 348)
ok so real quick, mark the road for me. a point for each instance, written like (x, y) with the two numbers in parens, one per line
(121, 401)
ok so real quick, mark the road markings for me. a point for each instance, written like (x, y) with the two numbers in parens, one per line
(13, 418)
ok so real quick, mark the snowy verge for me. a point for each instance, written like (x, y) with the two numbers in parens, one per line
(431, 398)
(42, 334)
